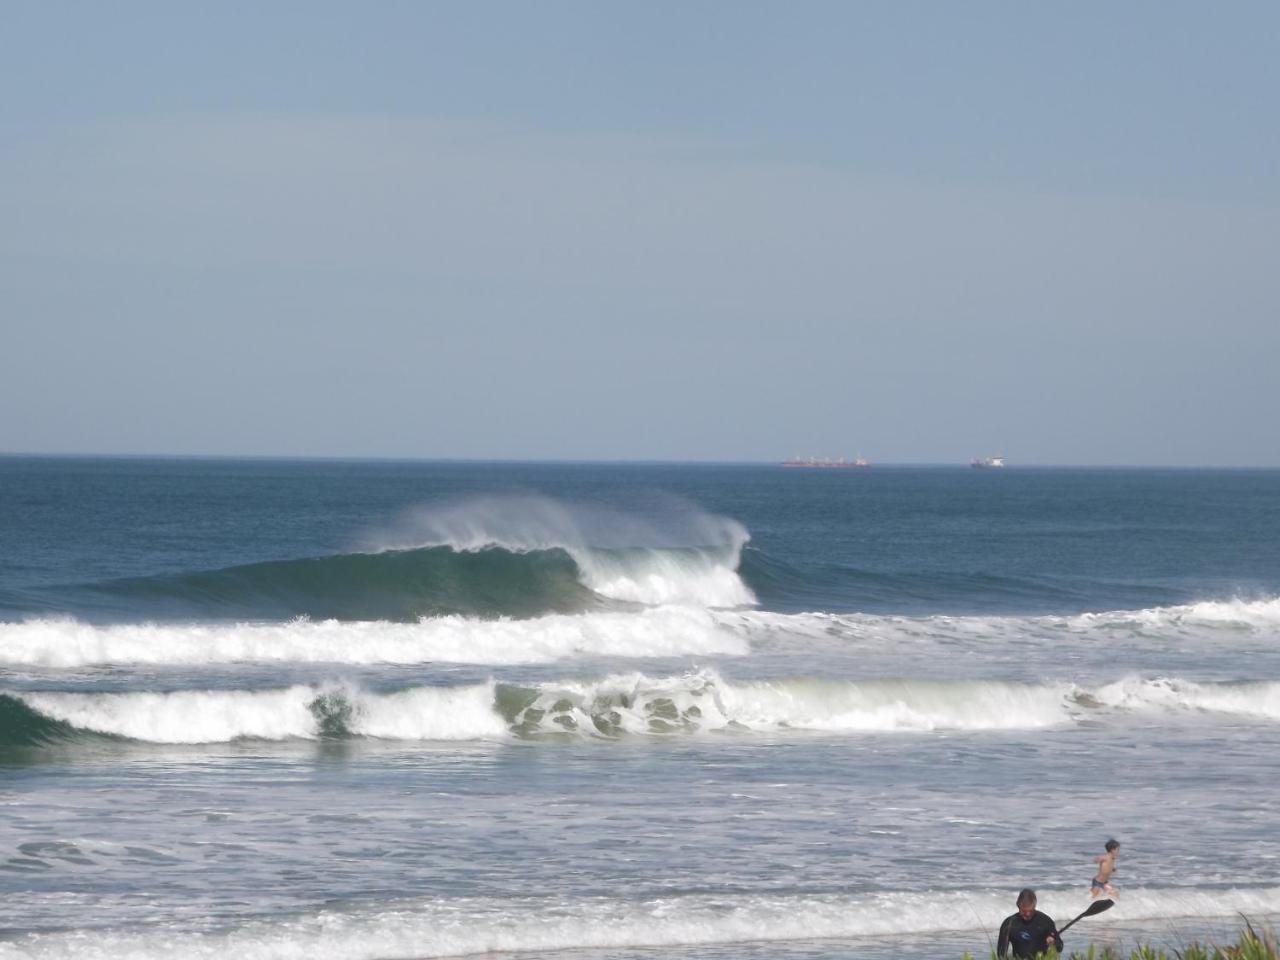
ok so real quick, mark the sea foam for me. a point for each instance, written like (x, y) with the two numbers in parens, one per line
(469, 926)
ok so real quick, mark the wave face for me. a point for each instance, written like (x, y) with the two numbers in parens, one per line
(396, 586)
(616, 706)
(474, 926)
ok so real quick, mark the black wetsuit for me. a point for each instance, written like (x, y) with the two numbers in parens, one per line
(1027, 937)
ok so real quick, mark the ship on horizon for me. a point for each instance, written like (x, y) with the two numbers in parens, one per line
(987, 463)
(825, 463)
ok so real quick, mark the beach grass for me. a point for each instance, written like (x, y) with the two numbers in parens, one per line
(1250, 944)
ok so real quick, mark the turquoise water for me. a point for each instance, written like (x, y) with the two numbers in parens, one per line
(379, 710)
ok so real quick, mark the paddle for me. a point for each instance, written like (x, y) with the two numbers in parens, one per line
(1096, 907)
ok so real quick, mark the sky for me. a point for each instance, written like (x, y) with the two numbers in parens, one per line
(918, 232)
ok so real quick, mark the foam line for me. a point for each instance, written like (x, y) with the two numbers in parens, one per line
(465, 927)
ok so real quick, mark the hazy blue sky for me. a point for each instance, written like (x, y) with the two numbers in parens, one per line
(919, 231)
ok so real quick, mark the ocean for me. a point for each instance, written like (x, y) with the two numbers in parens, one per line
(278, 709)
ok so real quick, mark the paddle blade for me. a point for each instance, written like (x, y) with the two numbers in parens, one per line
(1096, 907)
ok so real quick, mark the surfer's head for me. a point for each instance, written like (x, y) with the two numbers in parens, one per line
(1026, 902)
(1112, 846)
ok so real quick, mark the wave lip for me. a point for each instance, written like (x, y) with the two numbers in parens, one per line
(469, 926)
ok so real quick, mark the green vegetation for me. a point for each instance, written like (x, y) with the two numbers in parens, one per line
(1250, 944)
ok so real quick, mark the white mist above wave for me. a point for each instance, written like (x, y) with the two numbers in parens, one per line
(638, 705)
(675, 554)
(464, 927)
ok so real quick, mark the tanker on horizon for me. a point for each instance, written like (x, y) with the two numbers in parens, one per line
(987, 463)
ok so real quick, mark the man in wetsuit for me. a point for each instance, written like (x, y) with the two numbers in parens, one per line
(1029, 932)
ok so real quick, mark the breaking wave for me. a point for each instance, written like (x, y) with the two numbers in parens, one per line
(638, 632)
(470, 926)
(647, 632)
(676, 554)
(616, 706)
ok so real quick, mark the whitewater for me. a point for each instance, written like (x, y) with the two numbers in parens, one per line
(659, 631)
(632, 704)
(433, 710)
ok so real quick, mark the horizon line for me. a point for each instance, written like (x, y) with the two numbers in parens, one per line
(599, 461)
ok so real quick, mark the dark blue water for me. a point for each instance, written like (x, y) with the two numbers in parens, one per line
(891, 540)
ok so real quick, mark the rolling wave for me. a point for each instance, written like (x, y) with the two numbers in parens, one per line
(616, 706)
(472, 926)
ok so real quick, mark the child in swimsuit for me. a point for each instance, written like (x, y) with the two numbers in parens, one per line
(1106, 869)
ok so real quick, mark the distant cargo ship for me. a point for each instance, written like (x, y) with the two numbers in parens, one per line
(815, 463)
(987, 463)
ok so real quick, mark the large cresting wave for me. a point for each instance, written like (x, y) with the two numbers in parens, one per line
(674, 553)
(517, 557)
